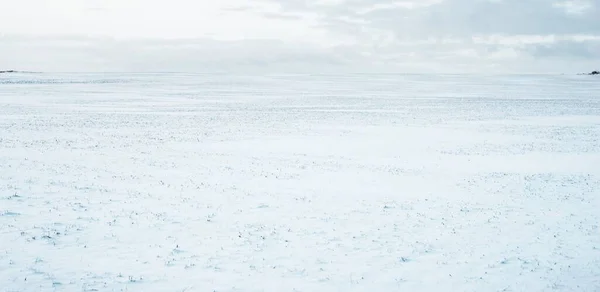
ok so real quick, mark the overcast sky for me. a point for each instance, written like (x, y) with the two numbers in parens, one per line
(301, 35)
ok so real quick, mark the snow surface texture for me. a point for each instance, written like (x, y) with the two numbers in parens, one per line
(175, 182)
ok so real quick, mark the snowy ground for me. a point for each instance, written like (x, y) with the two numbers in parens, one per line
(174, 182)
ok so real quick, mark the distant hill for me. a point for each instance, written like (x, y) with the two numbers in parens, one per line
(591, 73)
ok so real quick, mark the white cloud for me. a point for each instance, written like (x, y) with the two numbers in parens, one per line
(366, 34)
(148, 19)
(106, 54)
(576, 7)
(395, 4)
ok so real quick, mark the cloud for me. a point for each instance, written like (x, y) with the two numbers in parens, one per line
(587, 50)
(172, 19)
(439, 29)
(202, 54)
(388, 35)
(423, 19)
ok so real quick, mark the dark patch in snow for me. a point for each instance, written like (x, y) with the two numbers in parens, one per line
(9, 213)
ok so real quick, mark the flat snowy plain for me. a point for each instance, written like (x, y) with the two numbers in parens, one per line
(216, 182)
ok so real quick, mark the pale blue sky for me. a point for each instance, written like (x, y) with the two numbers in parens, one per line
(301, 35)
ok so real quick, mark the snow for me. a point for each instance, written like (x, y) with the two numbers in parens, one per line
(355, 182)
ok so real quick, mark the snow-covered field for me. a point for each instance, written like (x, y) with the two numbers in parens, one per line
(175, 182)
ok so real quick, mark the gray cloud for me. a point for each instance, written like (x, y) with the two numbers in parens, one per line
(566, 49)
(105, 54)
(462, 17)
(361, 35)
(445, 28)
